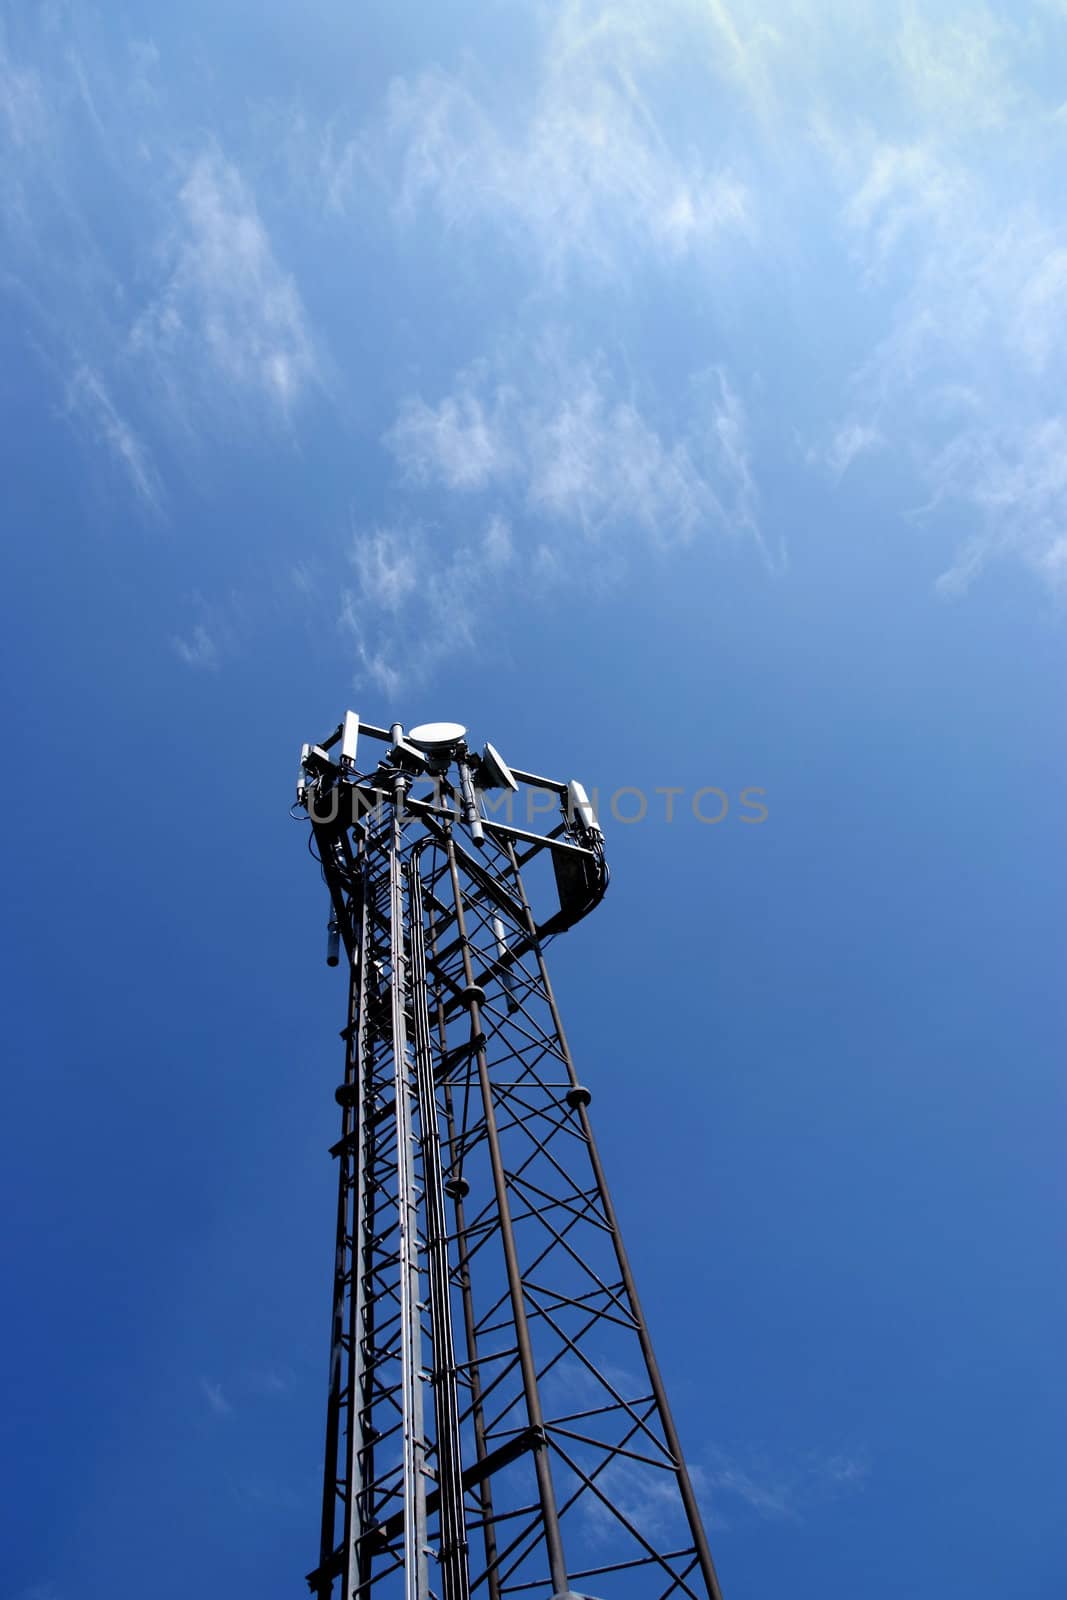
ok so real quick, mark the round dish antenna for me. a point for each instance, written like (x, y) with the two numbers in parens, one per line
(433, 736)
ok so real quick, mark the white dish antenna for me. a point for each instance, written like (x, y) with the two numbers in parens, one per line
(437, 735)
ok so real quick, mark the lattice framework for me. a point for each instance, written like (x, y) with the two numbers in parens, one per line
(496, 1421)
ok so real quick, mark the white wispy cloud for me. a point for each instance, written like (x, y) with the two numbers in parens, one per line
(788, 1487)
(144, 61)
(967, 375)
(769, 1496)
(850, 440)
(269, 1381)
(222, 626)
(785, 1488)
(646, 1496)
(198, 648)
(557, 453)
(47, 119)
(217, 1402)
(1015, 477)
(89, 401)
(555, 456)
(588, 169)
(917, 144)
(567, 447)
(169, 309)
(905, 187)
(461, 441)
(23, 111)
(498, 547)
(228, 310)
(431, 610)
(387, 568)
(958, 70)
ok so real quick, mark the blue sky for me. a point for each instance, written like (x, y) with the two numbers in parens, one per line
(673, 393)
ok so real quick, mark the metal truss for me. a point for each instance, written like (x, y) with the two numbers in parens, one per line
(496, 1422)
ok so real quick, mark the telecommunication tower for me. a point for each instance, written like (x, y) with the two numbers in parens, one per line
(496, 1422)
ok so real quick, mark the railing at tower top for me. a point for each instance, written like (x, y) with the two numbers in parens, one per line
(448, 785)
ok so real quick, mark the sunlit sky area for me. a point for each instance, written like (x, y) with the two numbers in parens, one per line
(674, 392)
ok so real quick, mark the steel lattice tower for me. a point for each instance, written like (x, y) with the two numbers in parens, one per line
(496, 1422)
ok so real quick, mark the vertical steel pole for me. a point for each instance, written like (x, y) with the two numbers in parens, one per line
(357, 1153)
(463, 1276)
(341, 1272)
(546, 1490)
(416, 1575)
(453, 1552)
(670, 1432)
